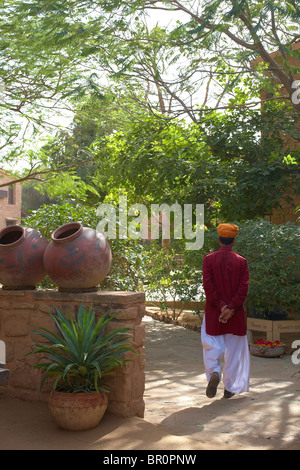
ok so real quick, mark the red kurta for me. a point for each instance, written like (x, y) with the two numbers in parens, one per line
(225, 282)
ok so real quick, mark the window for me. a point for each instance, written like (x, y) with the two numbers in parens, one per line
(11, 195)
(2, 353)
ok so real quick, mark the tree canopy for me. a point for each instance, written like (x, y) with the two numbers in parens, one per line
(219, 161)
(160, 97)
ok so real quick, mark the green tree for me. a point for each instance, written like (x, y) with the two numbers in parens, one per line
(69, 47)
(224, 161)
(239, 31)
(96, 114)
(121, 42)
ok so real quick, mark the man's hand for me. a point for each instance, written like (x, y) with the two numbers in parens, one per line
(226, 314)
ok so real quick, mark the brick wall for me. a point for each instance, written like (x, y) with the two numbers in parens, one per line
(287, 211)
(21, 311)
(8, 211)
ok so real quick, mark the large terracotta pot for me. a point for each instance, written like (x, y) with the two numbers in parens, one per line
(21, 257)
(77, 257)
(77, 411)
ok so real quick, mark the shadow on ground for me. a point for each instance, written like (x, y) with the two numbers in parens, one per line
(178, 415)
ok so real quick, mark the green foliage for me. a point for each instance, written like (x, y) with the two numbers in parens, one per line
(169, 278)
(34, 78)
(128, 269)
(81, 354)
(233, 159)
(152, 159)
(71, 148)
(272, 253)
(171, 272)
(52, 78)
(49, 217)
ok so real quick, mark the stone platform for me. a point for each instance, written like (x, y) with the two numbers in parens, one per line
(22, 311)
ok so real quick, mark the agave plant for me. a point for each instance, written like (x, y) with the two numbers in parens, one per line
(80, 355)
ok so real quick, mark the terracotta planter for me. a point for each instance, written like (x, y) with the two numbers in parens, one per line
(77, 257)
(77, 411)
(21, 257)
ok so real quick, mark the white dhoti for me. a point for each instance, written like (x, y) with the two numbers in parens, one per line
(234, 350)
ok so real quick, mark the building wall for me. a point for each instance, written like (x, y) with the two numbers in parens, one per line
(287, 211)
(10, 201)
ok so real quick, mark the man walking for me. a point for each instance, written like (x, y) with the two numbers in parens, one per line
(224, 328)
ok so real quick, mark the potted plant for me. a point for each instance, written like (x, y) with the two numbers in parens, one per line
(264, 348)
(77, 358)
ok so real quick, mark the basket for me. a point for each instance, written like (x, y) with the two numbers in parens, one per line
(267, 351)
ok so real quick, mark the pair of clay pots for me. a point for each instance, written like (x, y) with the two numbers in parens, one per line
(77, 257)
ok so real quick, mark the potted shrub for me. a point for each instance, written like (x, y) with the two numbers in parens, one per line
(77, 358)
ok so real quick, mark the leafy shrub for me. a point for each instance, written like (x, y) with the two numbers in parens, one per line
(169, 278)
(273, 254)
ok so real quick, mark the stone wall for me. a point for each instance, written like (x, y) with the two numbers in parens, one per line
(24, 310)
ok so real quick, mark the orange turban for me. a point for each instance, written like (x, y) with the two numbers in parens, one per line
(227, 230)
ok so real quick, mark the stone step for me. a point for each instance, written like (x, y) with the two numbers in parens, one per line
(4, 376)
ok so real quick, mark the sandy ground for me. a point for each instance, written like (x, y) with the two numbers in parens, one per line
(178, 415)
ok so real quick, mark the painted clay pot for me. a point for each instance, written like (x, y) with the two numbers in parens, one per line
(77, 411)
(21, 257)
(77, 257)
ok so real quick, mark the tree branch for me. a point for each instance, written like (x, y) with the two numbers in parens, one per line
(34, 175)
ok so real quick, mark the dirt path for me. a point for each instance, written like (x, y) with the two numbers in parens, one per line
(267, 417)
(178, 414)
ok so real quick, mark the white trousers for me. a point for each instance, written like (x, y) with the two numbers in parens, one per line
(234, 350)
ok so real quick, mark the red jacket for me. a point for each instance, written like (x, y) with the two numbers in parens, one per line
(225, 282)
